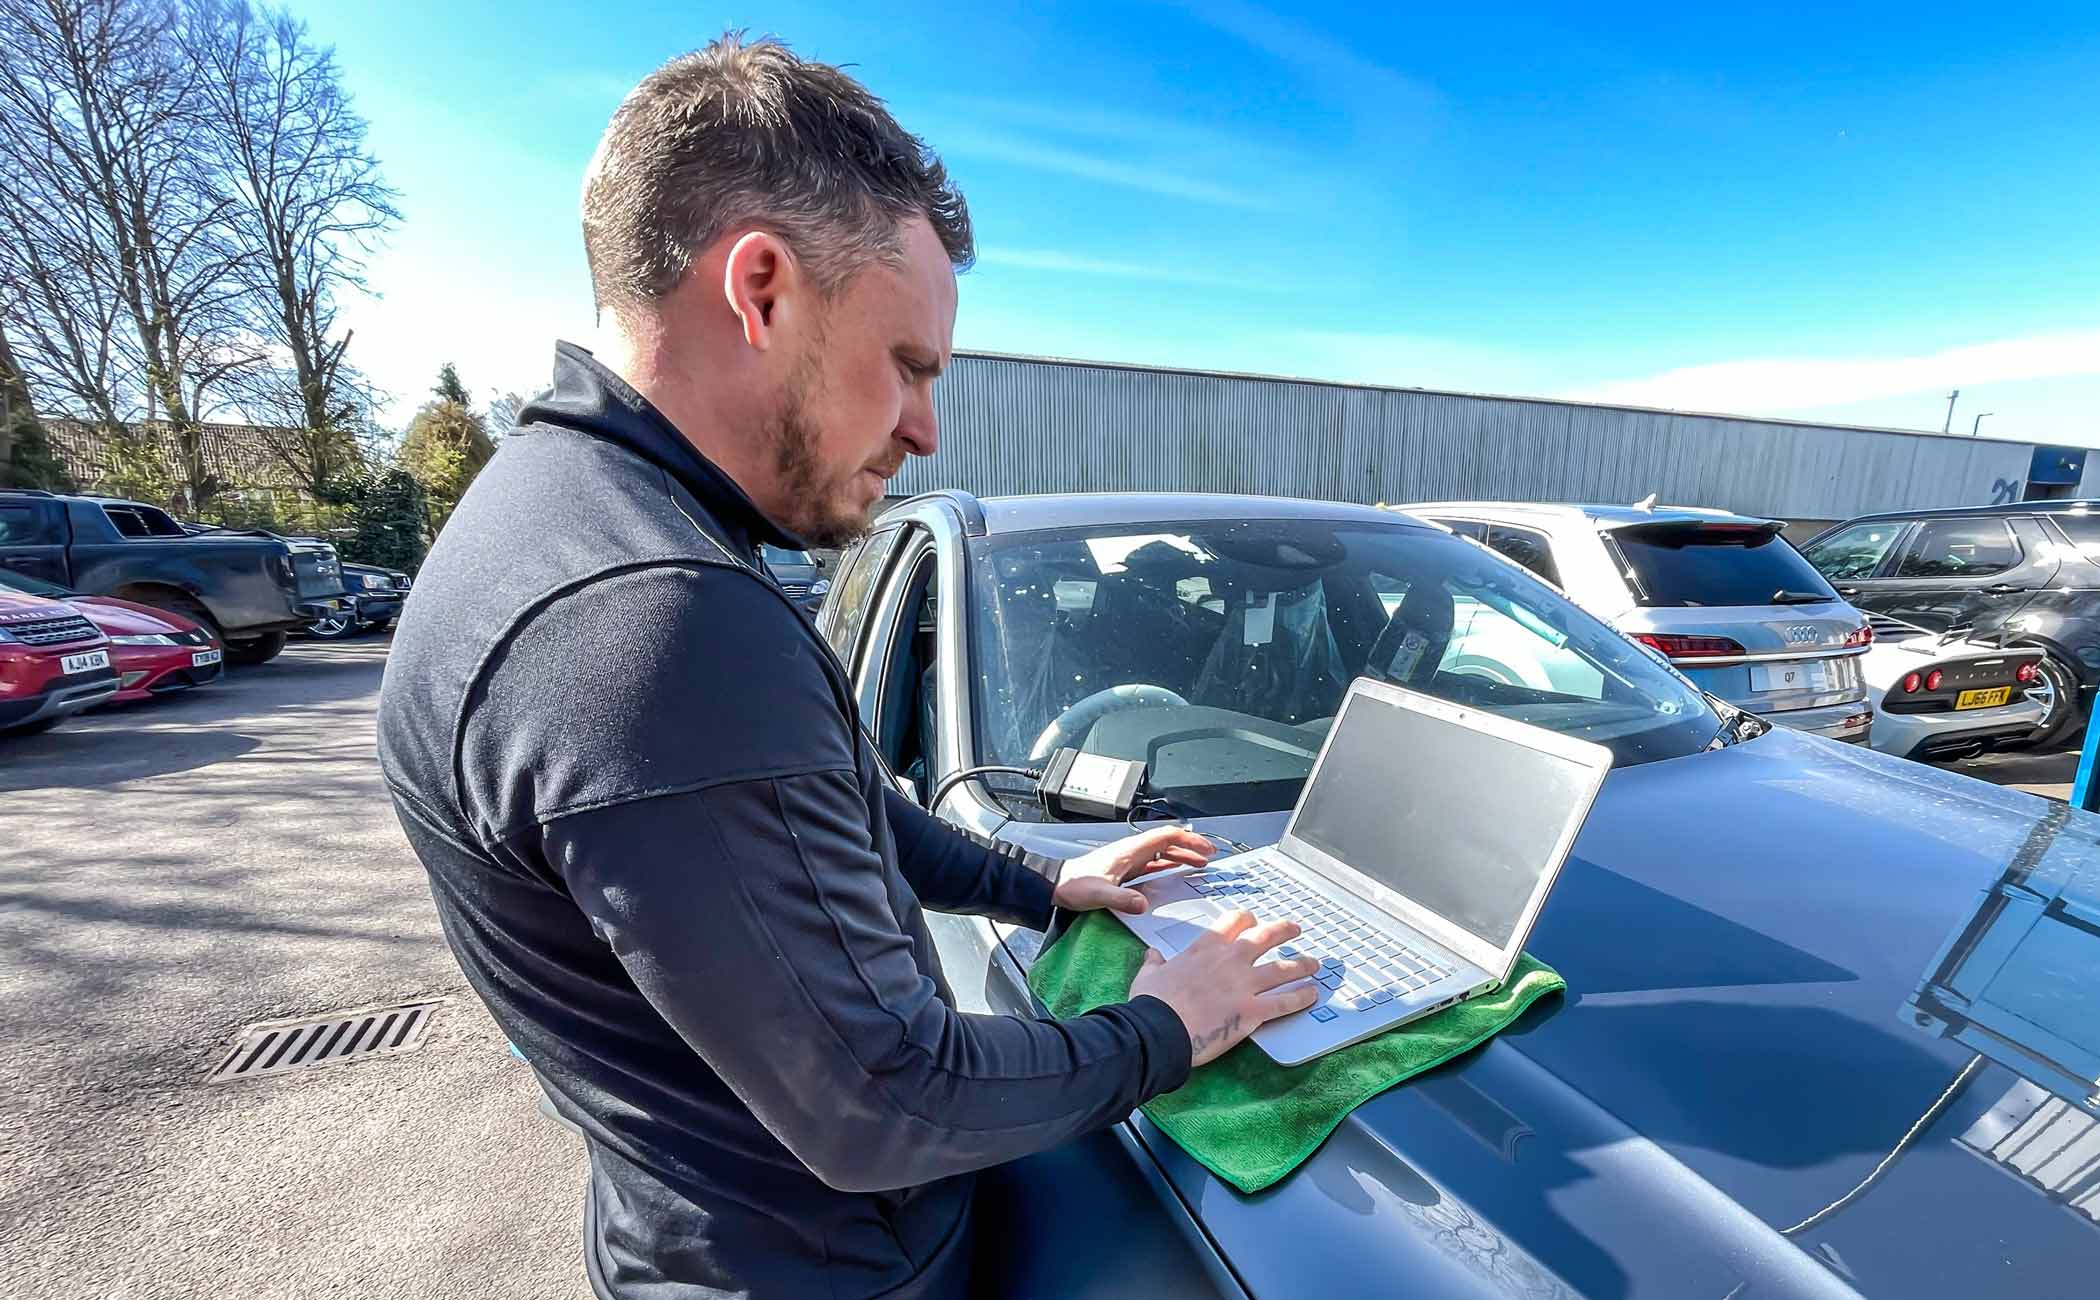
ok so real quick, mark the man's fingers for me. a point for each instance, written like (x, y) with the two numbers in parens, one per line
(1270, 974)
(1283, 1002)
(1153, 958)
(1181, 837)
(1169, 845)
(1268, 934)
(1233, 924)
(1128, 901)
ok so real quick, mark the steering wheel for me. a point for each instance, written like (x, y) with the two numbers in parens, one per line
(1076, 720)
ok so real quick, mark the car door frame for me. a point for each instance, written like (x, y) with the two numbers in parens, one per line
(1001, 987)
(1864, 593)
(44, 560)
(1889, 588)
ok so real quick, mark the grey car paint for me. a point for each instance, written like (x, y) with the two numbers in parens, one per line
(1730, 1100)
(1779, 640)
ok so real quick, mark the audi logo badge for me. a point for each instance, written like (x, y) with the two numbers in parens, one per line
(1801, 634)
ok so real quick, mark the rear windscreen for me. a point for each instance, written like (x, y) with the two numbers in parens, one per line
(1704, 566)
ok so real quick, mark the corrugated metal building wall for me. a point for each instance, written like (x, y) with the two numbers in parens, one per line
(1019, 424)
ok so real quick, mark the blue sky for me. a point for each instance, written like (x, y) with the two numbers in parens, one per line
(1839, 212)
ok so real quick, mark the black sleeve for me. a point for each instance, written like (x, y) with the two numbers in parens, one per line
(694, 793)
(753, 916)
(953, 871)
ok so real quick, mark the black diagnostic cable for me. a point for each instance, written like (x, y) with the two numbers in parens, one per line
(955, 778)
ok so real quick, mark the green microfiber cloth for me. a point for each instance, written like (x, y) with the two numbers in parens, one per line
(1247, 1119)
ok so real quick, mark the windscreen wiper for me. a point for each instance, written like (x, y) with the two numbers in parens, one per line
(1785, 597)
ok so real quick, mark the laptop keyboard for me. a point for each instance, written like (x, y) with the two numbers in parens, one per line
(1361, 967)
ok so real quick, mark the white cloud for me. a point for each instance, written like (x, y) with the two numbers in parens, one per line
(1763, 385)
(1053, 260)
(1384, 100)
(1008, 147)
(1105, 122)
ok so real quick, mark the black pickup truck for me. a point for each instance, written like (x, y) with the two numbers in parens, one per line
(249, 589)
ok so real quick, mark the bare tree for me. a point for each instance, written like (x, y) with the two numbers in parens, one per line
(101, 112)
(26, 458)
(57, 282)
(309, 202)
(503, 412)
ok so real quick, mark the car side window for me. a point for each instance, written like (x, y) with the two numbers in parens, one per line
(845, 613)
(1960, 548)
(21, 526)
(2083, 530)
(1472, 528)
(905, 724)
(1528, 547)
(127, 522)
(1856, 552)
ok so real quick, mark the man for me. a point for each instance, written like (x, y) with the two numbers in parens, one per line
(657, 843)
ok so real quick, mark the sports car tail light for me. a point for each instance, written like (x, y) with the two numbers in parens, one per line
(1910, 684)
(1859, 636)
(2027, 672)
(1689, 647)
(1932, 680)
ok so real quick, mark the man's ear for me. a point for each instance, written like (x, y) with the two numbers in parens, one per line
(758, 273)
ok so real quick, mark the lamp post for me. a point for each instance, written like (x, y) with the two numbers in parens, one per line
(1979, 423)
(1948, 425)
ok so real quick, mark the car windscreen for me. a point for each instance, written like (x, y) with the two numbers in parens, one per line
(22, 582)
(1716, 565)
(1218, 653)
(781, 555)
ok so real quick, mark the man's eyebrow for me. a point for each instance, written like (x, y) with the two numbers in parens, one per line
(918, 361)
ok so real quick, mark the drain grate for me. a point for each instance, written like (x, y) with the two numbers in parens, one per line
(281, 1046)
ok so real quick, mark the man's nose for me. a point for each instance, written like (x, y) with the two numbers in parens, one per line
(917, 425)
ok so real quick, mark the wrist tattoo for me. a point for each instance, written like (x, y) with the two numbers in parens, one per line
(1197, 1042)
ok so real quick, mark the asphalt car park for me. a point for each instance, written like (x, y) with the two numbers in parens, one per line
(184, 867)
(180, 868)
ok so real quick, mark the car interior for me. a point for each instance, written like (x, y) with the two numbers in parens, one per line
(1221, 661)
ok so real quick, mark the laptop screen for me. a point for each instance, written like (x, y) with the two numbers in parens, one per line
(1459, 822)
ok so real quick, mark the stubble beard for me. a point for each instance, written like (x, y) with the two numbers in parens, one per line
(820, 513)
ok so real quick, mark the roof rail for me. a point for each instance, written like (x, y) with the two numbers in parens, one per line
(965, 506)
(27, 492)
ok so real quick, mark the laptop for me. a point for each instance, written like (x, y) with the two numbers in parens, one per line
(1419, 854)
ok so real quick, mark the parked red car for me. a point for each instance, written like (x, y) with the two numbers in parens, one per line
(155, 650)
(53, 662)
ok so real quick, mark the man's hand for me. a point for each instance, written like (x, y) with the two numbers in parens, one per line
(1095, 880)
(1218, 991)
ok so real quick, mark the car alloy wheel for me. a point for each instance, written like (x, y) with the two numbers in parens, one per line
(333, 627)
(2056, 690)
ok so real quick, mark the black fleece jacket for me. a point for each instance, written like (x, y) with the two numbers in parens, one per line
(668, 862)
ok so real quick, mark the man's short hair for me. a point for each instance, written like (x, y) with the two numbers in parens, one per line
(748, 134)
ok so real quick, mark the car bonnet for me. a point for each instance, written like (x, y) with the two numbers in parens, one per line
(1745, 934)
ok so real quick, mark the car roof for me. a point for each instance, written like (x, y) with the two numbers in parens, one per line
(75, 496)
(2078, 506)
(1603, 516)
(1024, 514)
